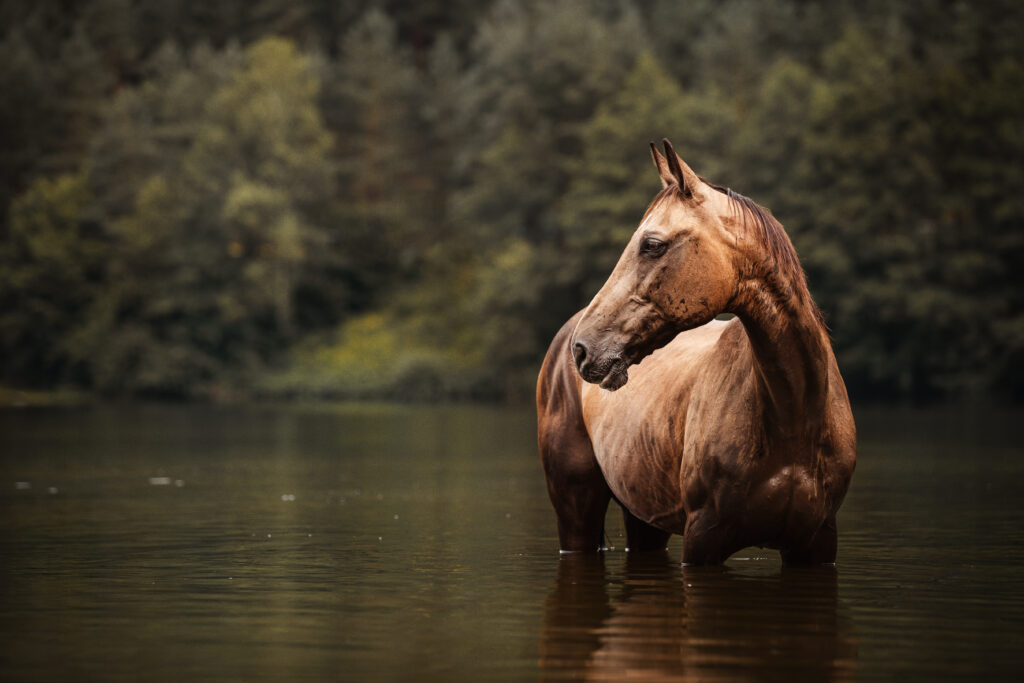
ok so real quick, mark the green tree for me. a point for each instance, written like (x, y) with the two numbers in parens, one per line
(27, 118)
(218, 243)
(539, 71)
(731, 44)
(54, 86)
(614, 180)
(880, 180)
(51, 268)
(876, 203)
(978, 118)
(370, 102)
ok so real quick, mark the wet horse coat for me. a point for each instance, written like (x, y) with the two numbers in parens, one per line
(730, 433)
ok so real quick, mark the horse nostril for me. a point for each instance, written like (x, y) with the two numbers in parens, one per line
(579, 353)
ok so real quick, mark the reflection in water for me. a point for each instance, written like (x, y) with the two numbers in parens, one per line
(654, 620)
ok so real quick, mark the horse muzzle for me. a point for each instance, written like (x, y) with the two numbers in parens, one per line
(609, 370)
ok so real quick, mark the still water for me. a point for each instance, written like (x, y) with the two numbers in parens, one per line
(362, 543)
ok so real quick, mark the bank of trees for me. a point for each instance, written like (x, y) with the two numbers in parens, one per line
(379, 198)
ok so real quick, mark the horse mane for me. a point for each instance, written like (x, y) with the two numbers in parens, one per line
(769, 231)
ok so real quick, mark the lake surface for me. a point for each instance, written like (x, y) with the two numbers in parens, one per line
(362, 542)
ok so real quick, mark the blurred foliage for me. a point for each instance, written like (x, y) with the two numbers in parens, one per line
(379, 198)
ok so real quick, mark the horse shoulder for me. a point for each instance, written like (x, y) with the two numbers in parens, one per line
(725, 448)
(722, 415)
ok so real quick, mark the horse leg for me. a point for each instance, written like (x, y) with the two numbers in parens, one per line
(703, 539)
(641, 536)
(821, 549)
(576, 485)
(579, 493)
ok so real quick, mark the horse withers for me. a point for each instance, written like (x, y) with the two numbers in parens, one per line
(731, 433)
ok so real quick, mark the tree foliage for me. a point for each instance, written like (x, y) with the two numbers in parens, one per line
(369, 198)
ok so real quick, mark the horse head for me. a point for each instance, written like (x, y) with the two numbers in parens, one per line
(676, 273)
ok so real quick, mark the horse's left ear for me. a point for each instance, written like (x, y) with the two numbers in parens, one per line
(661, 163)
(680, 172)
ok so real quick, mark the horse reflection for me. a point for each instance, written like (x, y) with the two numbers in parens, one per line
(654, 620)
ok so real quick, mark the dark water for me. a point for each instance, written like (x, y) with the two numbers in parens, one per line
(382, 543)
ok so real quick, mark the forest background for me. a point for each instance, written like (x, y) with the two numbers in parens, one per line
(351, 199)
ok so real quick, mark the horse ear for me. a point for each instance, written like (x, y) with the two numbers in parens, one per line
(661, 163)
(680, 172)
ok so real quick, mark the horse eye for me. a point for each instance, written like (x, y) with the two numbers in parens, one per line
(653, 247)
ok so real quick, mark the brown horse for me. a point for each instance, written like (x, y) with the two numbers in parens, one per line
(733, 433)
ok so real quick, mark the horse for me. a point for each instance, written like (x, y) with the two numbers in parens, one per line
(732, 433)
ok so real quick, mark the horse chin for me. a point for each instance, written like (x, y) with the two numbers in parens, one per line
(618, 372)
(617, 376)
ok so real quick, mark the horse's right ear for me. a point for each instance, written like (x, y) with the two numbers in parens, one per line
(661, 163)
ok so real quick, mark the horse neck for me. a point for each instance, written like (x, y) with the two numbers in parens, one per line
(791, 354)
